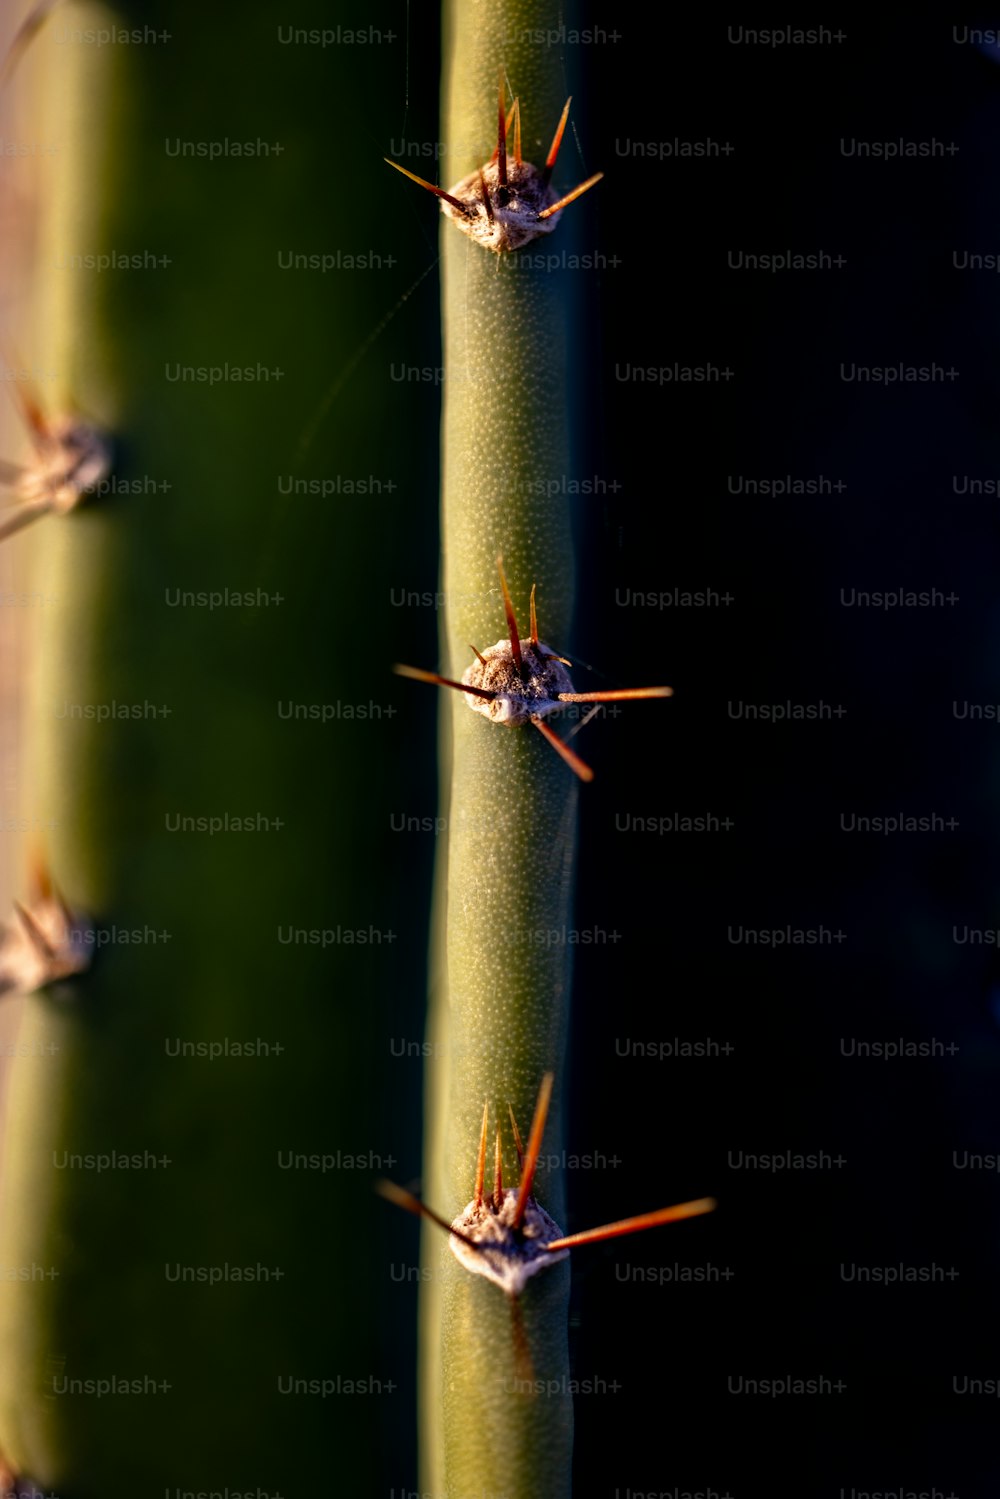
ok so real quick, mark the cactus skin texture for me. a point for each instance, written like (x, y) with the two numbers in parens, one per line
(93, 1074)
(500, 999)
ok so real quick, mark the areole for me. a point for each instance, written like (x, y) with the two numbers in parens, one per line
(522, 681)
(505, 1234)
(505, 203)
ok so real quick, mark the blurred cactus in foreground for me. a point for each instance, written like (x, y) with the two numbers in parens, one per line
(166, 1105)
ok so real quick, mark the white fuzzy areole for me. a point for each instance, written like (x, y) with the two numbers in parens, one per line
(521, 698)
(73, 459)
(514, 223)
(25, 966)
(507, 1256)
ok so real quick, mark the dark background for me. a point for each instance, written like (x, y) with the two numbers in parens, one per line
(898, 748)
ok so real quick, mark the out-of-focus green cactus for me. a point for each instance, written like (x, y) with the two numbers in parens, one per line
(200, 621)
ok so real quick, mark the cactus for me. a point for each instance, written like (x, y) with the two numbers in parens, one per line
(512, 805)
(122, 1159)
(97, 1079)
(495, 1310)
(500, 1008)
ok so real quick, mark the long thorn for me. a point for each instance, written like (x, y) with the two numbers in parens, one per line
(569, 198)
(497, 1174)
(583, 722)
(486, 195)
(477, 1196)
(501, 137)
(39, 877)
(577, 766)
(534, 1146)
(516, 112)
(635, 1225)
(38, 938)
(616, 695)
(508, 609)
(26, 402)
(67, 915)
(422, 182)
(518, 1142)
(404, 1199)
(29, 26)
(550, 160)
(415, 673)
(507, 124)
(533, 628)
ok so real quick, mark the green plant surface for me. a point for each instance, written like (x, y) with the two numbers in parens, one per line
(500, 995)
(94, 1074)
